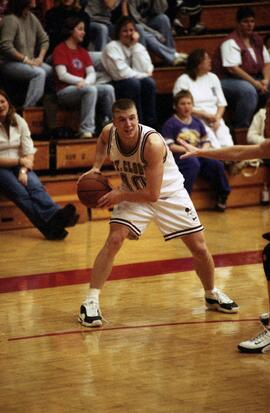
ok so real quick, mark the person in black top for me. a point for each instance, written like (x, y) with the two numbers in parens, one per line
(56, 17)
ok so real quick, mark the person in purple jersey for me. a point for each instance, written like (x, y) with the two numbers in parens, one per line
(182, 125)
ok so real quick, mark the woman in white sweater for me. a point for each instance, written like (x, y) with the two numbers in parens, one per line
(130, 67)
(255, 134)
(209, 100)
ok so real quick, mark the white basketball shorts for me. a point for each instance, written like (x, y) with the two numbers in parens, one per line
(175, 216)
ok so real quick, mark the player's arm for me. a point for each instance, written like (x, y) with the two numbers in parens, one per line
(101, 148)
(101, 151)
(231, 153)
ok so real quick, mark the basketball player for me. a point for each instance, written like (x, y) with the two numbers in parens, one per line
(261, 342)
(151, 189)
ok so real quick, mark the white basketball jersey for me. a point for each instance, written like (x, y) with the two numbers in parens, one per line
(131, 166)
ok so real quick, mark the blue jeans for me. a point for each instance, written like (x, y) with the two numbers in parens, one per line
(87, 97)
(160, 23)
(36, 75)
(100, 34)
(143, 93)
(210, 170)
(32, 199)
(243, 99)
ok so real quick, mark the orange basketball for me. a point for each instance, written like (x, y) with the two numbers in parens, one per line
(91, 187)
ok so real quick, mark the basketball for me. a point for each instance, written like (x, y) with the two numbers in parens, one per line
(91, 187)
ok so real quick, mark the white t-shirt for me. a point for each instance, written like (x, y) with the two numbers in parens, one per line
(18, 143)
(231, 54)
(206, 91)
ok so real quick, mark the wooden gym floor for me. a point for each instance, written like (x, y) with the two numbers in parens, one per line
(160, 351)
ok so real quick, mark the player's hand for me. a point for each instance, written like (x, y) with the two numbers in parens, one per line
(191, 150)
(94, 170)
(110, 199)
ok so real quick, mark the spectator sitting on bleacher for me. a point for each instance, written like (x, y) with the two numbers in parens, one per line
(129, 64)
(182, 125)
(154, 28)
(3, 7)
(23, 45)
(243, 64)
(55, 19)
(181, 10)
(76, 79)
(209, 100)
(101, 29)
(256, 131)
(18, 181)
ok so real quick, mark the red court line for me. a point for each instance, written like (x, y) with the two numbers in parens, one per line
(94, 330)
(141, 269)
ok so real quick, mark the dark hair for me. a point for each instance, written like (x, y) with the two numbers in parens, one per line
(123, 104)
(180, 95)
(75, 6)
(123, 21)
(194, 59)
(17, 7)
(243, 13)
(69, 25)
(10, 118)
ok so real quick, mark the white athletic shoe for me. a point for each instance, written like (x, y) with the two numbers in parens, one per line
(219, 301)
(258, 344)
(90, 315)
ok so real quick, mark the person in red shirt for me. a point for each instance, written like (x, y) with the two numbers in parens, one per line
(76, 79)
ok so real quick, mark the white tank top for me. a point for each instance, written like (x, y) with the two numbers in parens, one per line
(131, 165)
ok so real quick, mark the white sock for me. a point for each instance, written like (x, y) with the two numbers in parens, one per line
(210, 292)
(93, 295)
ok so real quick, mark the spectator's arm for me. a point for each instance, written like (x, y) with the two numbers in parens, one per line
(124, 8)
(42, 39)
(91, 76)
(242, 74)
(66, 77)
(266, 74)
(110, 4)
(141, 60)
(255, 133)
(7, 37)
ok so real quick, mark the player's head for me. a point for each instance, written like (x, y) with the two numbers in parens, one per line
(183, 103)
(125, 117)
